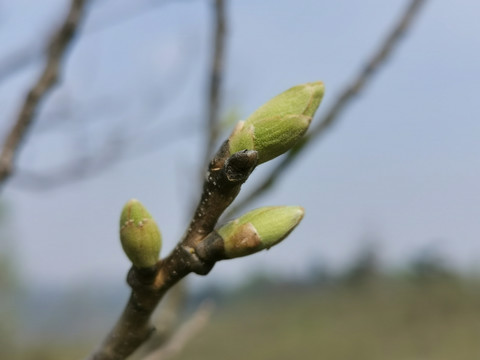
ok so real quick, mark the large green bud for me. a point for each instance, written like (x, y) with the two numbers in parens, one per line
(139, 234)
(278, 125)
(259, 229)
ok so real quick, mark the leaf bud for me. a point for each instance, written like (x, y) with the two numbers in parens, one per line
(139, 234)
(278, 125)
(259, 229)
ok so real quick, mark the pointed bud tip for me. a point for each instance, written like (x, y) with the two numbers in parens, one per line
(316, 87)
(296, 212)
(316, 90)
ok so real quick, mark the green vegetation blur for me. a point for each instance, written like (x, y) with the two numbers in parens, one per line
(426, 312)
(386, 319)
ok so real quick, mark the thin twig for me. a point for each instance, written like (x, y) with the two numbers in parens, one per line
(358, 83)
(184, 333)
(56, 51)
(216, 74)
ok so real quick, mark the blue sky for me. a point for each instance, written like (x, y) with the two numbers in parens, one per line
(401, 168)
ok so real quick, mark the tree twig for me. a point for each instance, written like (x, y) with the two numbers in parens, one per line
(56, 51)
(358, 83)
(216, 74)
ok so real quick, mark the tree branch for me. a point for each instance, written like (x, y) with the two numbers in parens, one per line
(56, 51)
(198, 251)
(216, 72)
(358, 83)
(166, 320)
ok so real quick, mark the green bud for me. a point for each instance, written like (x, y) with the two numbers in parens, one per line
(139, 234)
(259, 229)
(278, 125)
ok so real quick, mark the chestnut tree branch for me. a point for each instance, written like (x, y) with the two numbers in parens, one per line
(56, 52)
(358, 84)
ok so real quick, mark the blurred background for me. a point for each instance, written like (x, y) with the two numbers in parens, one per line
(386, 261)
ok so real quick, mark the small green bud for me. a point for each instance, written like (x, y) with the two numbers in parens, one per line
(139, 234)
(259, 229)
(277, 126)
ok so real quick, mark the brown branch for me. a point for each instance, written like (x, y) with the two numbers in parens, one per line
(201, 247)
(56, 51)
(216, 72)
(358, 83)
(184, 333)
(199, 250)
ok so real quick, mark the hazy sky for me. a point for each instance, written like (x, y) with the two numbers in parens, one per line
(401, 168)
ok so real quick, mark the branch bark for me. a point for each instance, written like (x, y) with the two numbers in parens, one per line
(358, 84)
(55, 54)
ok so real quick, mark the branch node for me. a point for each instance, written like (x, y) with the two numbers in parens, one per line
(240, 165)
(196, 264)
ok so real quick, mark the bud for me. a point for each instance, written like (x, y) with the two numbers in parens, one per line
(139, 234)
(278, 125)
(259, 229)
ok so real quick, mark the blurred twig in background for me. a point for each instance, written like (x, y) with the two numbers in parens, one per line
(56, 51)
(28, 55)
(111, 153)
(215, 80)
